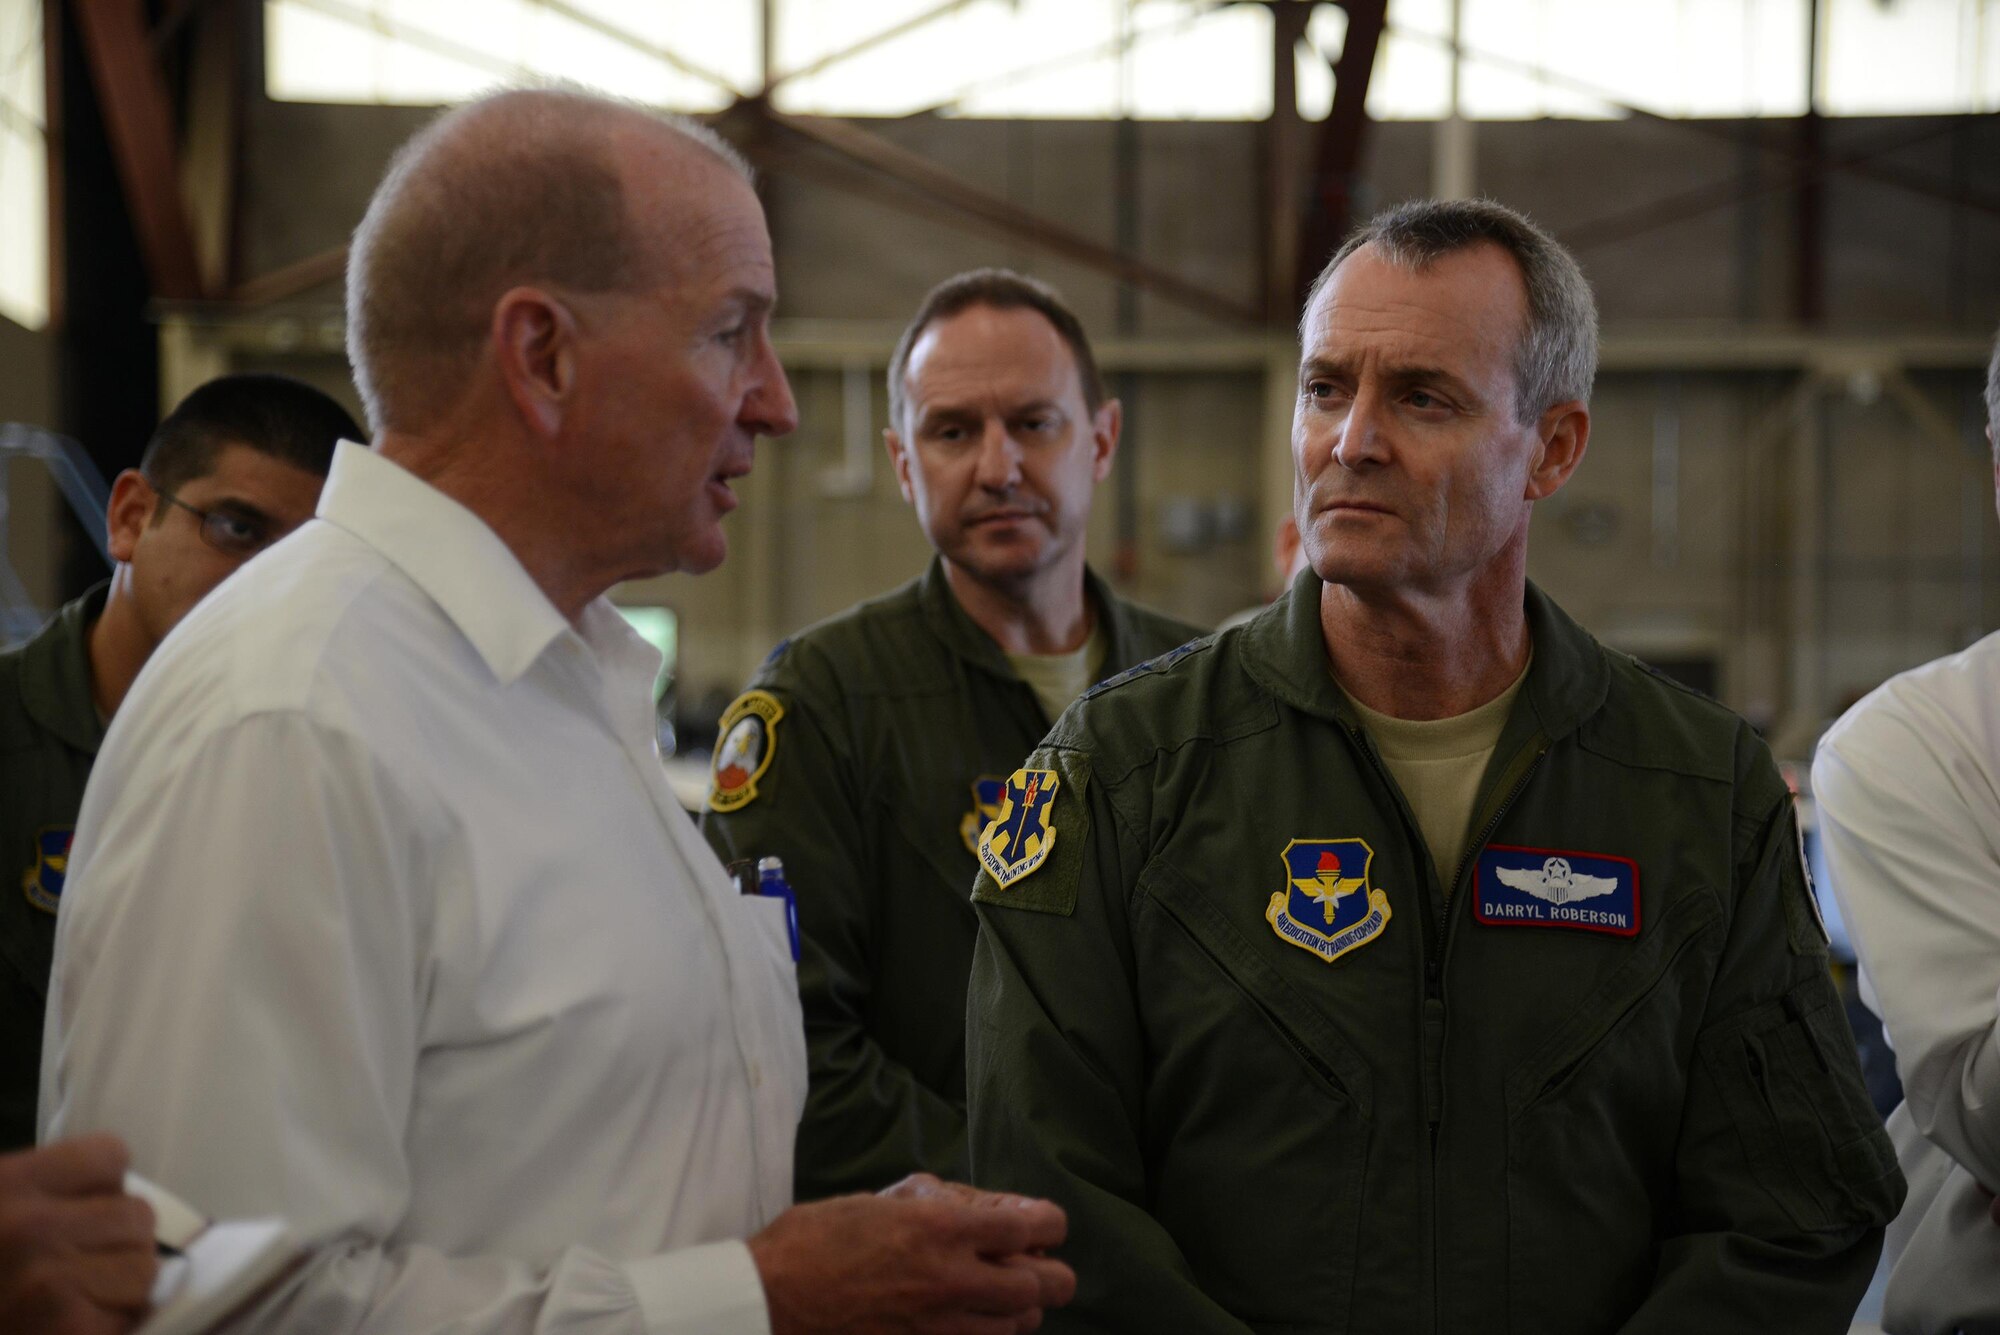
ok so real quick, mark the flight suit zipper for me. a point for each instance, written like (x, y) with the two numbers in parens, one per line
(1436, 938)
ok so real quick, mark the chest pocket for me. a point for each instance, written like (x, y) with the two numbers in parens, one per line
(1592, 1119)
(1258, 1116)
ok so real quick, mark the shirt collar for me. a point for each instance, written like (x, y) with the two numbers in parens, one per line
(448, 552)
(55, 673)
(1284, 649)
(951, 623)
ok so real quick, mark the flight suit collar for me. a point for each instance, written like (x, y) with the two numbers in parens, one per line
(1284, 651)
(962, 635)
(55, 674)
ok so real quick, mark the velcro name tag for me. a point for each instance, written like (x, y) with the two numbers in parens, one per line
(1550, 887)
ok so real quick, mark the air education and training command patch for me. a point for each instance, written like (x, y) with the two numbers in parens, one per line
(986, 791)
(1327, 906)
(43, 882)
(1551, 887)
(1021, 835)
(749, 731)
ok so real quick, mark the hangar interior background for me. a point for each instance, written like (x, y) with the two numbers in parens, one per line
(1789, 209)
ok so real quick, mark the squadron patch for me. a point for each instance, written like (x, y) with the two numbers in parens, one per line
(986, 792)
(1021, 835)
(1327, 905)
(749, 732)
(43, 882)
(1551, 887)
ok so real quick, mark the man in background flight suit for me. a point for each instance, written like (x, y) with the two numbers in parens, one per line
(1406, 960)
(231, 470)
(869, 750)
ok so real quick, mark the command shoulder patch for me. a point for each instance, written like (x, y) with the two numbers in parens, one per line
(43, 882)
(1031, 854)
(1553, 887)
(749, 742)
(1327, 906)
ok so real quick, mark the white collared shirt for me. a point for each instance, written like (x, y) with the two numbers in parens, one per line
(381, 916)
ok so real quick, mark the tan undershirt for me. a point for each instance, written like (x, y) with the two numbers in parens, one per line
(1438, 764)
(1057, 679)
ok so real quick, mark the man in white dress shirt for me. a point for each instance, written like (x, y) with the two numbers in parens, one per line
(381, 914)
(1908, 791)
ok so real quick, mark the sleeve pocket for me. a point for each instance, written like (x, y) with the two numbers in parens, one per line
(1789, 1080)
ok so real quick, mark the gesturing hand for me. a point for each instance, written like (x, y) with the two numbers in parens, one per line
(925, 1257)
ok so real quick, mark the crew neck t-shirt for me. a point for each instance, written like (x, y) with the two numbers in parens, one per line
(1438, 764)
(1057, 679)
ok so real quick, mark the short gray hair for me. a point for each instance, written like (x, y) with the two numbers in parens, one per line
(519, 187)
(1555, 360)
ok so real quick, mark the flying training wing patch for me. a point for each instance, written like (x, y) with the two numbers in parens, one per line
(1022, 835)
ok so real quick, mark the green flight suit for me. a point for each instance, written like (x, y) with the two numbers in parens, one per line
(1456, 1125)
(49, 733)
(893, 711)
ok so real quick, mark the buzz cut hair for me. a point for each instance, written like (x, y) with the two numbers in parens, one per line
(522, 186)
(274, 415)
(1002, 290)
(1555, 358)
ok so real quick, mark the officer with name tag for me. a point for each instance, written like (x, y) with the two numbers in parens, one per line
(1406, 960)
(870, 750)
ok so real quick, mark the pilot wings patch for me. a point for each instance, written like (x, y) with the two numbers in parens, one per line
(1547, 887)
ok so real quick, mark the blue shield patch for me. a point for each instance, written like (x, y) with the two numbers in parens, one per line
(1553, 887)
(43, 882)
(1327, 906)
(1021, 835)
(987, 790)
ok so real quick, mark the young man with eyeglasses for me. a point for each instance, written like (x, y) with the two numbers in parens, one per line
(235, 467)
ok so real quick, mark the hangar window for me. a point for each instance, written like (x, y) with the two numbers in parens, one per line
(24, 169)
(1153, 59)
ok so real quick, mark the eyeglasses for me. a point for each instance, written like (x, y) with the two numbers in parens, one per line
(230, 532)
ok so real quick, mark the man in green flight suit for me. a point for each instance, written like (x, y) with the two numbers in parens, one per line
(870, 749)
(1405, 960)
(236, 466)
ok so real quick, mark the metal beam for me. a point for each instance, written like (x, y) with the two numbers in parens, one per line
(292, 279)
(138, 118)
(1283, 135)
(1683, 205)
(1342, 138)
(868, 43)
(965, 201)
(583, 18)
(1722, 130)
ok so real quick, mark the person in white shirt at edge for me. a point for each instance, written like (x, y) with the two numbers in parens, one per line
(1908, 789)
(382, 916)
